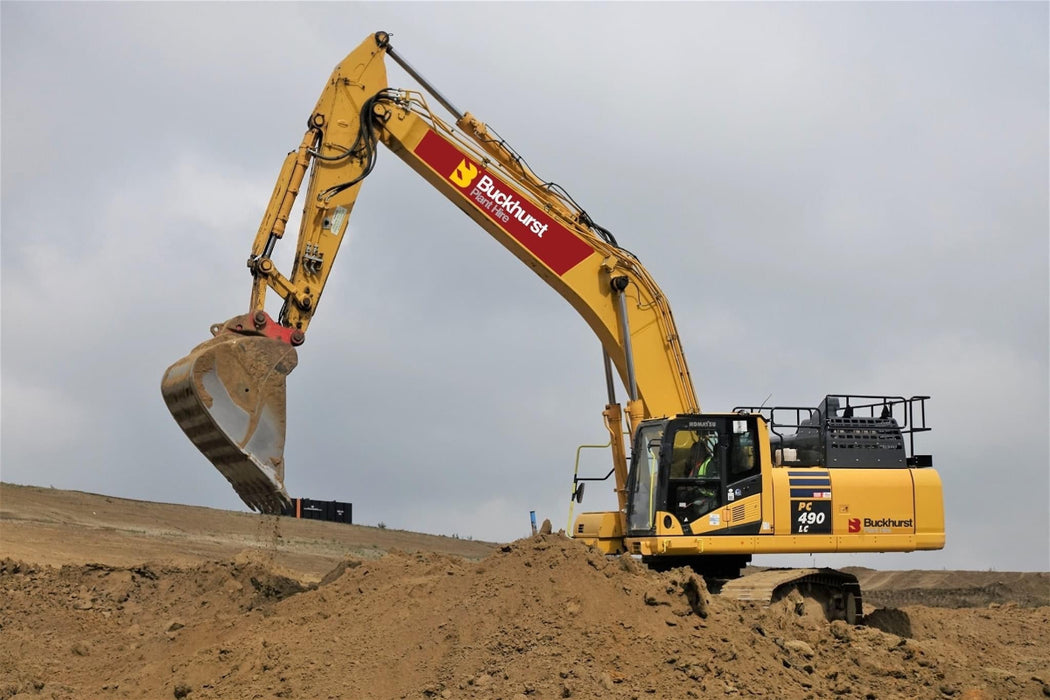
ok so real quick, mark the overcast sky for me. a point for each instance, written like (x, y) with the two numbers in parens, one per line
(835, 198)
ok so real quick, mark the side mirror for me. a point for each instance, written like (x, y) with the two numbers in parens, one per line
(578, 493)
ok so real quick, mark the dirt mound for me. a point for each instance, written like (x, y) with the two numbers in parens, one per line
(890, 620)
(542, 617)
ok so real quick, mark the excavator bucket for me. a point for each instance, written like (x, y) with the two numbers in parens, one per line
(228, 396)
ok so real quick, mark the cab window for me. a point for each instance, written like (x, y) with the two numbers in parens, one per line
(743, 451)
(643, 479)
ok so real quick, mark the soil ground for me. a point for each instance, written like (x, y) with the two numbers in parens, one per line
(102, 597)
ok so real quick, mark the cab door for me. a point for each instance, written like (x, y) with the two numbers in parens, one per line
(714, 476)
(742, 512)
(695, 481)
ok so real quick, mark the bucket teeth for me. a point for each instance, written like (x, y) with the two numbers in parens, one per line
(228, 396)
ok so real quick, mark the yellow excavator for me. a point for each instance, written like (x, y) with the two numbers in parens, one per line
(705, 490)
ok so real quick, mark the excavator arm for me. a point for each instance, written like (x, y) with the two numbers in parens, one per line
(228, 394)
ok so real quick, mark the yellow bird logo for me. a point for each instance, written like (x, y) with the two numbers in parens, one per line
(464, 174)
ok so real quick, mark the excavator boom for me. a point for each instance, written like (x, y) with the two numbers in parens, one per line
(228, 395)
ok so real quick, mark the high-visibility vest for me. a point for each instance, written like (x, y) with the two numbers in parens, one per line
(701, 469)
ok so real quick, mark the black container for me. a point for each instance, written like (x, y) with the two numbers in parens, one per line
(331, 511)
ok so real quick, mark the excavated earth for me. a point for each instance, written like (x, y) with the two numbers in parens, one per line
(108, 598)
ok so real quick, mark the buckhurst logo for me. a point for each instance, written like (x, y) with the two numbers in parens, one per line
(527, 221)
(503, 204)
(887, 522)
(878, 526)
(464, 173)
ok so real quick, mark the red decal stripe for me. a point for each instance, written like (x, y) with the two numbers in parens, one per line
(554, 245)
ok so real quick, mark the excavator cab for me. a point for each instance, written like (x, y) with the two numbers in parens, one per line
(687, 468)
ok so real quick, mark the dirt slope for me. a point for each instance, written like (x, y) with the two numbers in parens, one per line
(538, 618)
(55, 527)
